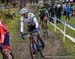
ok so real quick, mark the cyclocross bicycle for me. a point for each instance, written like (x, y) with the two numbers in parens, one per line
(45, 29)
(34, 46)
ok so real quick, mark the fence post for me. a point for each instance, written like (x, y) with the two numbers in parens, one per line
(64, 32)
(55, 24)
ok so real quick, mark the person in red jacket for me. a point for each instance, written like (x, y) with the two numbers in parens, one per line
(4, 40)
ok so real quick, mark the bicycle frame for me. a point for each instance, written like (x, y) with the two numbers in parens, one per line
(34, 41)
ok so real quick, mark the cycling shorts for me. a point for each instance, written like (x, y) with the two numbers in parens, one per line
(6, 44)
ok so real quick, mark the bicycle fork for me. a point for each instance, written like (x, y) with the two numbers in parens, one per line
(33, 45)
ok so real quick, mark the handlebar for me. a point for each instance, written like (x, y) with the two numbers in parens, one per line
(29, 33)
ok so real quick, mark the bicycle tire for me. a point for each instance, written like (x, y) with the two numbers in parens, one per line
(38, 47)
(41, 54)
(11, 55)
(31, 53)
(45, 34)
(36, 51)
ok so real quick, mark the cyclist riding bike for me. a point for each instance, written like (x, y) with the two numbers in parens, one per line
(43, 17)
(29, 23)
(4, 41)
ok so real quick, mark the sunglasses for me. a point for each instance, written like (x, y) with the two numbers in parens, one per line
(24, 14)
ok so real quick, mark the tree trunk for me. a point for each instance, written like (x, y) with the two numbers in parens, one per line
(25, 3)
(5, 4)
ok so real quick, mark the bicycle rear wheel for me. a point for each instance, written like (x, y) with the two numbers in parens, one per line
(11, 55)
(31, 52)
(35, 50)
(39, 47)
(45, 34)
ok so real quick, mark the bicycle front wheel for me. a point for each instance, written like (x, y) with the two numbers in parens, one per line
(33, 51)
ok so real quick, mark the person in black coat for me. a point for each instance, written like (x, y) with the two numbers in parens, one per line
(58, 11)
(37, 1)
(51, 12)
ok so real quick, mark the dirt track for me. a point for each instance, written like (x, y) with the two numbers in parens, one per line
(53, 47)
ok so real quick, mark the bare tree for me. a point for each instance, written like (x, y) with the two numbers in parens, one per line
(14, 3)
(6, 3)
(24, 2)
(52, 1)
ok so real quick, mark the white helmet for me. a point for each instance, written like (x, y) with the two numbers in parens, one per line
(24, 11)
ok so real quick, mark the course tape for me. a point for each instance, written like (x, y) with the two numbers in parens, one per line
(66, 24)
(66, 35)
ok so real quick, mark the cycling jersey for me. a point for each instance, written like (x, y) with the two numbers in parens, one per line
(42, 13)
(30, 20)
(2, 33)
(4, 37)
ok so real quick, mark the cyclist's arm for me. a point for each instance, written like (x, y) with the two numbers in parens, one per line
(36, 22)
(21, 25)
(5, 28)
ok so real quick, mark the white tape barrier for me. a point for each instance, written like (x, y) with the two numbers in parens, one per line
(66, 24)
(68, 36)
(60, 57)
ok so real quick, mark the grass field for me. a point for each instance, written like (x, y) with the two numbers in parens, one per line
(68, 43)
(71, 22)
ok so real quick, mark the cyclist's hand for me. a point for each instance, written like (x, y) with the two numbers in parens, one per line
(21, 35)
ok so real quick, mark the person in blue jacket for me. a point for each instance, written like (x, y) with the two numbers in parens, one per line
(67, 11)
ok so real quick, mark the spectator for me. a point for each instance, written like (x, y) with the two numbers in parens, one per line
(14, 4)
(46, 5)
(64, 6)
(36, 1)
(59, 11)
(51, 12)
(67, 11)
